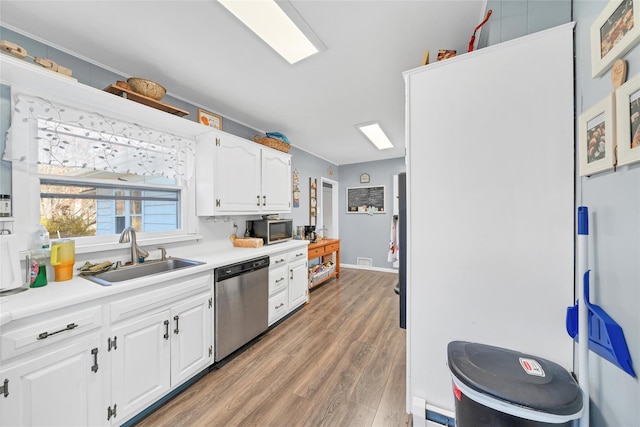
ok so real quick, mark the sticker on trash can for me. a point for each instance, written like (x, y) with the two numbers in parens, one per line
(531, 367)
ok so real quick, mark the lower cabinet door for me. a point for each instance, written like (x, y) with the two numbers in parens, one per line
(140, 364)
(298, 284)
(191, 341)
(62, 387)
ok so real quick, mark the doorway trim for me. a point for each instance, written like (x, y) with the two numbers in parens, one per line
(334, 204)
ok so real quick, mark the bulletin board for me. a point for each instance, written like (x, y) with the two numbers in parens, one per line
(366, 199)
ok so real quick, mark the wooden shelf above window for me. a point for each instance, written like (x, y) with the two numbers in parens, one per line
(145, 100)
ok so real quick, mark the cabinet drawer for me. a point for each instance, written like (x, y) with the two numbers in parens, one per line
(297, 254)
(278, 306)
(332, 248)
(127, 307)
(278, 260)
(316, 252)
(278, 279)
(45, 330)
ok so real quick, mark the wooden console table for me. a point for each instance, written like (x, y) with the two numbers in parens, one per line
(324, 249)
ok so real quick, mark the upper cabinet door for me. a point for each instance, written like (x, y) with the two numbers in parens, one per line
(276, 181)
(237, 175)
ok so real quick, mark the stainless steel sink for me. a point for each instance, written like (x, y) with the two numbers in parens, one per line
(146, 269)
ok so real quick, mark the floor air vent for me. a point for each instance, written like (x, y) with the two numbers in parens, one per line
(364, 261)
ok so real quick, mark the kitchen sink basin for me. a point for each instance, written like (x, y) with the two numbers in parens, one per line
(145, 269)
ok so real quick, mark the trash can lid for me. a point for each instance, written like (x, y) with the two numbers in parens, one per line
(516, 378)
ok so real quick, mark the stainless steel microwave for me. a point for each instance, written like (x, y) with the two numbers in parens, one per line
(272, 230)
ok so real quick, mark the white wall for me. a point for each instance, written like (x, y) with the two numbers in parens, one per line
(613, 199)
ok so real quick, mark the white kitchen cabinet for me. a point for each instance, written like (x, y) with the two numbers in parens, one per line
(298, 283)
(52, 369)
(288, 283)
(140, 364)
(278, 279)
(60, 386)
(164, 339)
(276, 181)
(237, 176)
(278, 287)
(278, 306)
(191, 342)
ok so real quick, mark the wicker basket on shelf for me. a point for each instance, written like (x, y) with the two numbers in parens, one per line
(272, 143)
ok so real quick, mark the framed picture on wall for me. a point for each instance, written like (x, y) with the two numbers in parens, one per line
(596, 136)
(613, 33)
(628, 120)
(209, 119)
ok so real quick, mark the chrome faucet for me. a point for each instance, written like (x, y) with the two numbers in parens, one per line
(129, 235)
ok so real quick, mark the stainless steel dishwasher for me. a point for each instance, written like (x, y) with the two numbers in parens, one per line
(241, 293)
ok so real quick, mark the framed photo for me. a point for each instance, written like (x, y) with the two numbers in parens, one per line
(445, 54)
(628, 120)
(596, 134)
(613, 33)
(209, 119)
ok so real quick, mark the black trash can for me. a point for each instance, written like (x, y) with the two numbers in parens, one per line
(499, 387)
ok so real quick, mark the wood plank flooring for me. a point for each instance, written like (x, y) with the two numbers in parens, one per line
(339, 361)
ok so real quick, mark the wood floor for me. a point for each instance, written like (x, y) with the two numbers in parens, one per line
(339, 361)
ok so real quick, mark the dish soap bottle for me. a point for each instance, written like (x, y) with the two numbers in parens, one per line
(42, 238)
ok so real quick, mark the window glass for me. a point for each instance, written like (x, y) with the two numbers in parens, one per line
(76, 209)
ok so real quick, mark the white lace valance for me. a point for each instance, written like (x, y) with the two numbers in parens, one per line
(80, 140)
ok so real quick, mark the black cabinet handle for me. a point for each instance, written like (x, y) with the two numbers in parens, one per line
(112, 343)
(4, 389)
(166, 330)
(69, 327)
(94, 351)
(176, 330)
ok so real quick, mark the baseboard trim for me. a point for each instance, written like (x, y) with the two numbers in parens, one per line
(366, 267)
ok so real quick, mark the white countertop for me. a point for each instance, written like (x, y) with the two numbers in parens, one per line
(78, 290)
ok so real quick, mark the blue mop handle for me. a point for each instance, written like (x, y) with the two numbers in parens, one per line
(583, 220)
(583, 310)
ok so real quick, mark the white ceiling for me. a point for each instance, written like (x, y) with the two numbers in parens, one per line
(201, 53)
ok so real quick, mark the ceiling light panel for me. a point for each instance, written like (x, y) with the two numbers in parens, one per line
(376, 135)
(273, 25)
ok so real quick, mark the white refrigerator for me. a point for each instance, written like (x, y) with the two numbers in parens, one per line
(490, 208)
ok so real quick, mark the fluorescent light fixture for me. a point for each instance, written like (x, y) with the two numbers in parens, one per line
(374, 132)
(277, 28)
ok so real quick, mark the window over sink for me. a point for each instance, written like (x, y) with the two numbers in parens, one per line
(97, 175)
